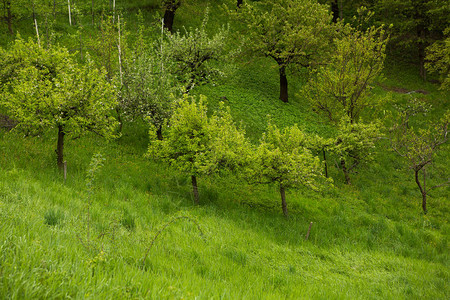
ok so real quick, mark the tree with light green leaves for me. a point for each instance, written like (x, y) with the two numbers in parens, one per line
(293, 33)
(420, 145)
(198, 145)
(341, 87)
(354, 145)
(195, 54)
(150, 90)
(46, 88)
(283, 157)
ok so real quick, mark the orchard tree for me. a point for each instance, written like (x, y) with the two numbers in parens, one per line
(46, 88)
(194, 53)
(150, 91)
(199, 145)
(283, 157)
(293, 33)
(354, 144)
(420, 146)
(340, 88)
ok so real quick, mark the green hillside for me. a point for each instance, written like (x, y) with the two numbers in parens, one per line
(134, 232)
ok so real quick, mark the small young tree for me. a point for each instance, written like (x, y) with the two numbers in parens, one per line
(197, 144)
(150, 91)
(419, 147)
(283, 158)
(46, 88)
(340, 87)
(354, 144)
(194, 52)
(293, 33)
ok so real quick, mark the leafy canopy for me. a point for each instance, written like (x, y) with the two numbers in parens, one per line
(197, 144)
(283, 156)
(291, 32)
(340, 88)
(44, 88)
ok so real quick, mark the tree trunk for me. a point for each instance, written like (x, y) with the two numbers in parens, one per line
(60, 148)
(159, 133)
(422, 190)
(283, 84)
(239, 3)
(335, 10)
(195, 189)
(119, 118)
(9, 17)
(92, 11)
(169, 15)
(325, 161)
(283, 200)
(346, 172)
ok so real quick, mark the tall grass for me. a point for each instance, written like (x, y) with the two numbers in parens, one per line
(368, 241)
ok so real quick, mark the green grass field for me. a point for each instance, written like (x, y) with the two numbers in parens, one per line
(369, 240)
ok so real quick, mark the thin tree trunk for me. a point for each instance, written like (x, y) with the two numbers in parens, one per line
(37, 32)
(119, 118)
(325, 161)
(341, 9)
(60, 148)
(422, 191)
(159, 133)
(169, 16)
(9, 17)
(70, 16)
(345, 170)
(283, 200)
(195, 189)
(335, 10)
(283, 84)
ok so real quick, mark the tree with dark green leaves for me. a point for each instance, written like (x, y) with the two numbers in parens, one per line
(294, 33)
(416, 24)
(46, 88)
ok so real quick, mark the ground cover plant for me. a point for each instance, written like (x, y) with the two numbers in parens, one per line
(124, 225)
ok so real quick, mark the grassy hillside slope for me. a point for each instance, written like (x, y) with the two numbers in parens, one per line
(367, 241)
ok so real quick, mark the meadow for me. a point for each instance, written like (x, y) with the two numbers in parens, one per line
(135, 233)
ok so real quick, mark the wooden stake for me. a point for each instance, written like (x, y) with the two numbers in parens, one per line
(70, 16)
(37, 32)
(120, 52)
(309, 231)
(65, 171)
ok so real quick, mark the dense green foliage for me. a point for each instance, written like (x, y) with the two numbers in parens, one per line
(44, 89)
(122, 224)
